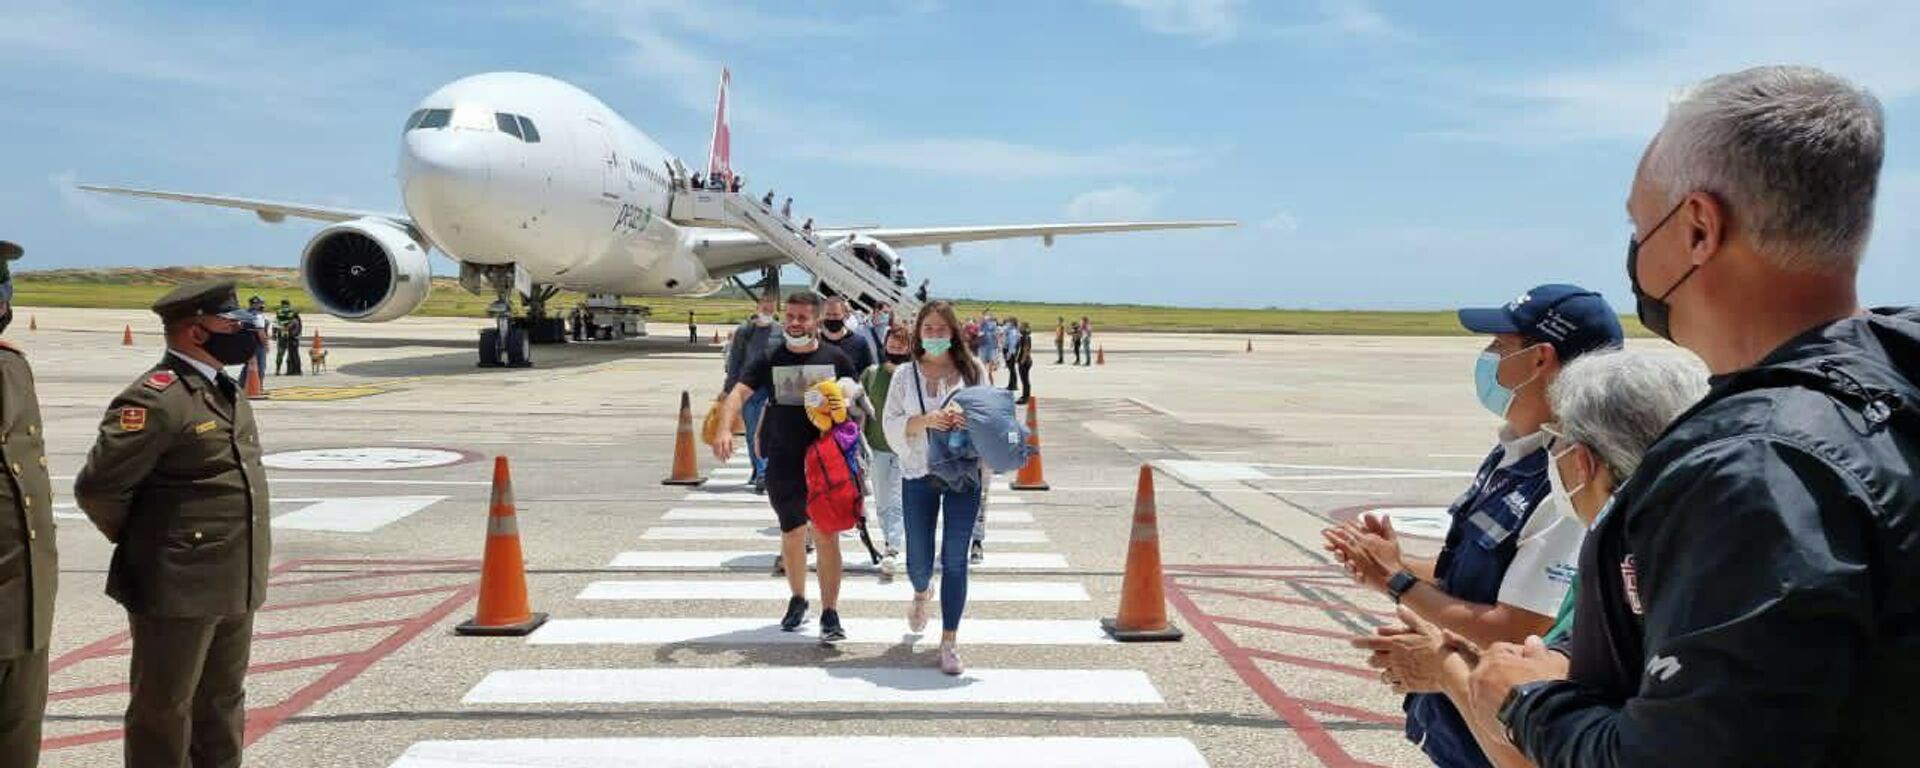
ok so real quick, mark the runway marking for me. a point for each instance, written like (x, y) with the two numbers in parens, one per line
(805, 752)
(367, 458)
(727, 497)
(814, 685)
(862, 591)
(313, 394)
(744, 533)
(287, 479)
(853, 560)
(864, 631)
(995, 515)
(354, 514)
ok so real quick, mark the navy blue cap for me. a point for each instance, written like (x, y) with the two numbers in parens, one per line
(1573, 319)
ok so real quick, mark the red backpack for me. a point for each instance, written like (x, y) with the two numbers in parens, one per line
(834, 501)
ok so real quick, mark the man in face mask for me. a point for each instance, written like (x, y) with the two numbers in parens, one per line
(1508, 558)
(1749, 599)
(834, 329)
(752, 339)
(174, 480)
(788, 373)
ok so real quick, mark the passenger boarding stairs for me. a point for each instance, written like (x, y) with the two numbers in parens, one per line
(833, 265)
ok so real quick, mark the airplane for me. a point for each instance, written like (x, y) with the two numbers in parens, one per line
(533, 185)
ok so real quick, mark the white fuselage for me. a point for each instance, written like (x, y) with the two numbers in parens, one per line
(584, 207)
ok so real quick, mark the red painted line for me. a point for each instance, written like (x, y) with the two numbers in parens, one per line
(1316, 737)
(1271, 598)
(257, 669)
(356, 599)
(335, 629)
(106, 646)
(264, 720)
(1312, 663)
(369, 575)
(349, 561)
(1330, 634)
(1353, 713)
(79, 739)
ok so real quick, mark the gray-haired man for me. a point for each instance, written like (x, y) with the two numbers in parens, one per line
(1751, 597)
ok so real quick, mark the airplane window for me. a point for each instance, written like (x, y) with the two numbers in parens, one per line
(413, 121)
(435, 118)
(509, 124)
(527, 130)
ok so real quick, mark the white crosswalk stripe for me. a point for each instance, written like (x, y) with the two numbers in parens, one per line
(764, 514)
(749, 533)
(858, 591)
(805, 752)
(763, 632)
(851, 559)
(814, 685)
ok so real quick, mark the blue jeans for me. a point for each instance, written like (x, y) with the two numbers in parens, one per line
(750, 413)
(925, 499)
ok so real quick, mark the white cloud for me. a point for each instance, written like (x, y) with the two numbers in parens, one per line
(1625, 98)
(1208, 21)
(1282, 222)
(1121, 203)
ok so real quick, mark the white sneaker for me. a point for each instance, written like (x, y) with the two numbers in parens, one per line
(950, 660)
(917, 615)
(889, 567)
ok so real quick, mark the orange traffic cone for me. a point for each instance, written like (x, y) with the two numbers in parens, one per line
(1101, 359)
(1143, 594)
(126, 339)
(503, 575)
(716, 337)
(686, 468)
(1249, 345)
(254, 390)
(1033, 476)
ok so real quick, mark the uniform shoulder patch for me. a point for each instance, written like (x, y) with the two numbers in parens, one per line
(160, 380)
(133, 418)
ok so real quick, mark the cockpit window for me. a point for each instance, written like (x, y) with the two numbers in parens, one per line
(413, 121)
(434, 118)
(509, 124)
(527, 131)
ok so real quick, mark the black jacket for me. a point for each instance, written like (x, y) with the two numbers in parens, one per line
(1753, 596)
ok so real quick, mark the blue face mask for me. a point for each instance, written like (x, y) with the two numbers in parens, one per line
(1486, 382)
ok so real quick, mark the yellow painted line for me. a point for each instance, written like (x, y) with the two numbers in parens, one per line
(311, 394)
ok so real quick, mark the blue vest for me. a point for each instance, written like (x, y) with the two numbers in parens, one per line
(1481, 543)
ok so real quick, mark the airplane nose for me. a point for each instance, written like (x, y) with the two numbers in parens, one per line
(444, 174)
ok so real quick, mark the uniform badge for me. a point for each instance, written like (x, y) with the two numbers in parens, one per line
(205, 427)
(133, 418)
(1630, 579)
(160, 380)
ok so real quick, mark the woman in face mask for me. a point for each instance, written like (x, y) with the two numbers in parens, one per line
(1611, 407)
(915, 413)
(878, 383)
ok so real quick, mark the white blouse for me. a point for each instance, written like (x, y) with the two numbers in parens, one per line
(903, 402)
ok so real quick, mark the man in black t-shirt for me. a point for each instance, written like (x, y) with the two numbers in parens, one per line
(789, 370)
(835, 331)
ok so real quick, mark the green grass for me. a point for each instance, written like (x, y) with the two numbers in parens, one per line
(137, 289)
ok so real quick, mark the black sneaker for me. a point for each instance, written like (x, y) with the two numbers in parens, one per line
(797, 614)
(830, 630)
(979, 553)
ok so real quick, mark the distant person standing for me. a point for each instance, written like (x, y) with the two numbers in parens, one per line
(1060, 341)
(1079, 337)
(693, 329)
(287, 331)
(887, 480)
(1086, 334)
(262, 327)
(786, 209)
(989, 344)
(32, 572)
(1022, 364)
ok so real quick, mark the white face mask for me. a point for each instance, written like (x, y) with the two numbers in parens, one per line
(797, 341)
(1560, 494)
(763, 319)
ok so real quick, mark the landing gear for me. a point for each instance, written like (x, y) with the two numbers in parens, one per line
(508, 342)
(515, 351)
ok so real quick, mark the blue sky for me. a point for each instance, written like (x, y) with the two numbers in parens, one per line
(1378, 155)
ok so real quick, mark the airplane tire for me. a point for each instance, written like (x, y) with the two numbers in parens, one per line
(490, 348)
(519, 348)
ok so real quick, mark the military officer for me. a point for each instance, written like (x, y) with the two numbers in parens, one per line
(29, 571)
(175, 481)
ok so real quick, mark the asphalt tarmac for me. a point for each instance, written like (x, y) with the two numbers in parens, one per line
(660, 651)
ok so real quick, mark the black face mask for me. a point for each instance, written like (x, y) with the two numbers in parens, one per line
(1655, 313)
(6, 320)
(899, 358)
(834, 325)
(232, 348)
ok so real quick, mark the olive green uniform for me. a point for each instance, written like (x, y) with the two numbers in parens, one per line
(29, 566)
(175, 480)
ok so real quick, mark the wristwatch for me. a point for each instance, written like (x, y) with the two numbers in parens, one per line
(1400, 583)
(1510, 706)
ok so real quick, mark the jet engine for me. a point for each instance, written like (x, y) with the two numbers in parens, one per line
(366, 270)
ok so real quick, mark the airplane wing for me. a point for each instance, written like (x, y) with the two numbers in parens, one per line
(910, 237)
(268, 210)
(735, 248)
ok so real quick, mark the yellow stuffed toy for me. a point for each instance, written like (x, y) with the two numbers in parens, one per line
(826, 405)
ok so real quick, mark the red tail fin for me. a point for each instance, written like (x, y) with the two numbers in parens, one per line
(719, 154)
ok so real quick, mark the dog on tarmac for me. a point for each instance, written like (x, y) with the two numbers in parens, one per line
(317, 360)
